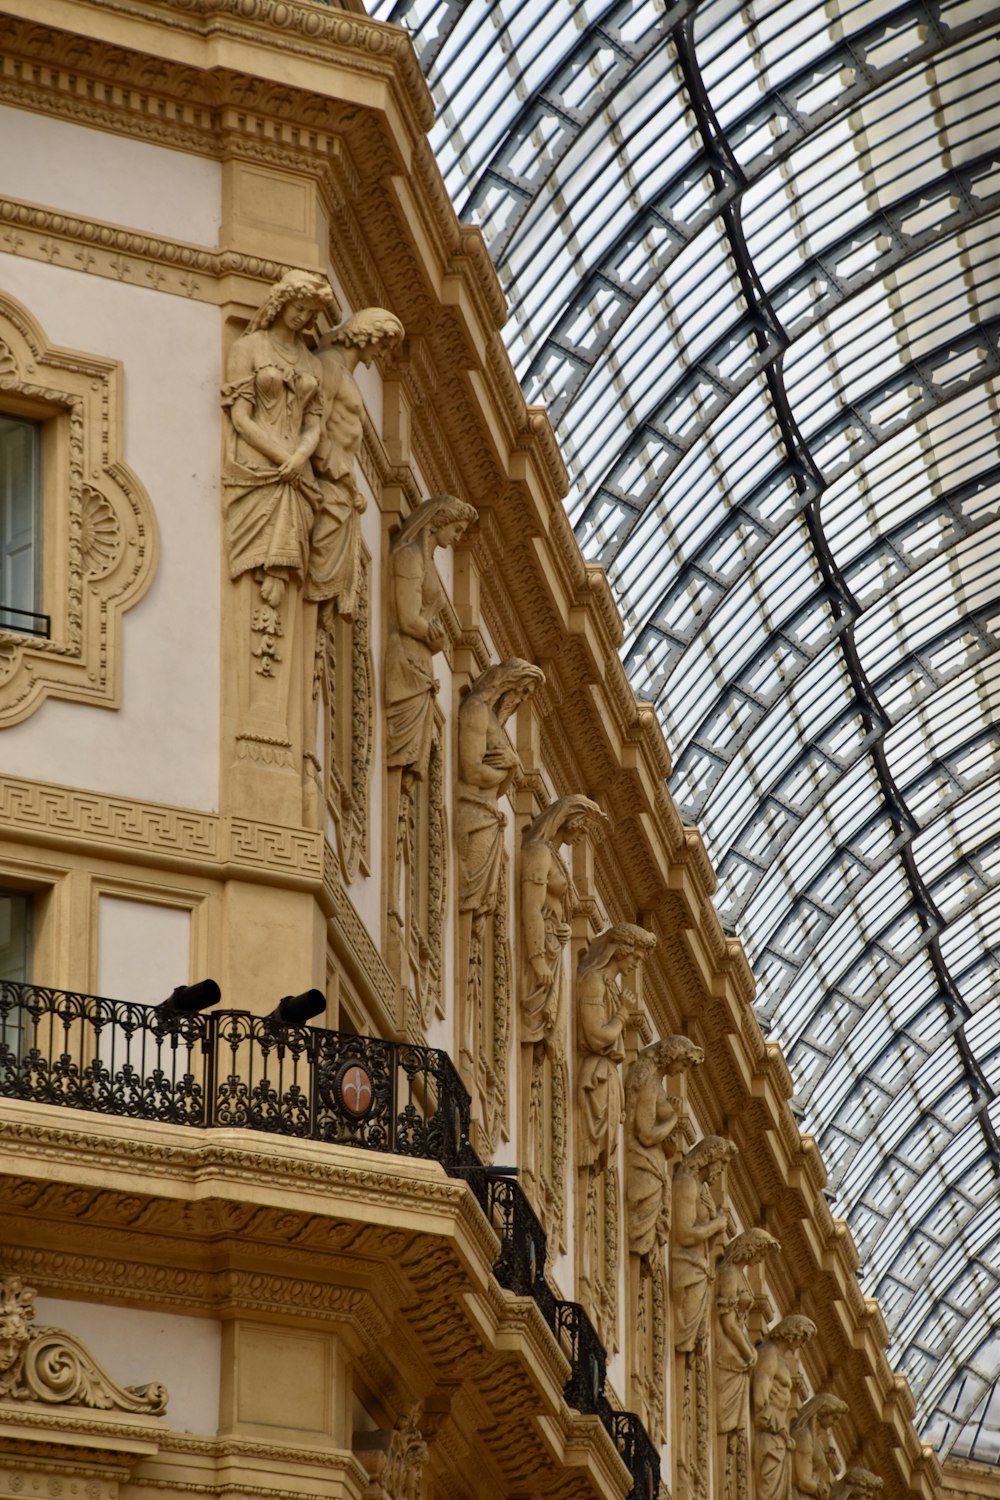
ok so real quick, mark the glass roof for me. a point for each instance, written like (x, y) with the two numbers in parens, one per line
(751, 256)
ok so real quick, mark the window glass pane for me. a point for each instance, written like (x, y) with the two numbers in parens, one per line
(15, 913)
(18, 521)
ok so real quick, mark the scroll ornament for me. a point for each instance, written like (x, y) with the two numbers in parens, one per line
(51, 1366)
(400, 1471)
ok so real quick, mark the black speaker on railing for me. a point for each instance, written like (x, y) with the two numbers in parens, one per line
(296, 1010)
(189, 998)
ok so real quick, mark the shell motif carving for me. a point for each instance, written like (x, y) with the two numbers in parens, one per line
(100, 533)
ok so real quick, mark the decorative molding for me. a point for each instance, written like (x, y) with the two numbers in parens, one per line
(49, 1365)
(109, 555)
(97, 248)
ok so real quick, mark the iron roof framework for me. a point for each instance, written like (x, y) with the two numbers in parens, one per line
(750, 252)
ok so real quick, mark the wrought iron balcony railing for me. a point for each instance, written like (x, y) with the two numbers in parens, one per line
(233, 1069)
(229, 1068)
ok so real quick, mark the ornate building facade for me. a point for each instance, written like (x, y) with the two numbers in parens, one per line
(469, 1171)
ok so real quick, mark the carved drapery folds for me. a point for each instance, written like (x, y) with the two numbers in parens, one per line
(815, 1464)
(546, 905)
(602, 1009)
(414, 759)
(775, 1381)
(344, 683)
(51, 1366)
(98, 528)
(698, 1229)
(488, 767)
(292, 510)
(734, 1356)
(655, 1131)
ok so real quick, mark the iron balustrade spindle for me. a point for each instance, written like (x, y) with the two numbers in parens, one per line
(233, 1070)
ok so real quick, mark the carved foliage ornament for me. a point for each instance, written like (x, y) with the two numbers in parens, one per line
(99, 536)
(51, 1366)
(400, 1471)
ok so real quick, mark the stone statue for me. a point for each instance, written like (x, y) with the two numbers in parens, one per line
(656, 1127)
(334, 557)
(51, 1366)
(697, 1231)
(774, 1381)
(274, 398)
(652, 1119)
(735, 1356)
(292, 528)
(416, 599)
(545, 884)
(815, 1464)
(698, 1227)
(545, 887)
(601, 1010)
(488, 767)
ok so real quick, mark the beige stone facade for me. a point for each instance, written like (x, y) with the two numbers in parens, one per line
(224, 760)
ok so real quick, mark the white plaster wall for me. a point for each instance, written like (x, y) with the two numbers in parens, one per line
(163, 743)
(135, 1347)
(57, 164)
(143, 950)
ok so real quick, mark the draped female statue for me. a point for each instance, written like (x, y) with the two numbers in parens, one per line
(735, 1355)
(815, 1464)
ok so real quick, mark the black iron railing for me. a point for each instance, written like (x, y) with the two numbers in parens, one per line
(229, 1068)
(232, 1069)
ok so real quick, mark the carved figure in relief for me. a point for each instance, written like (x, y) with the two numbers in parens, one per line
(602, 1009)
(399, 1475)
(815, 1464)
(545, 887)
(698, 1227)
(652, 1123)
(488, 767)
(775, 1377)
(696, 1244)
(735, 1356)
(656, 1129)
(335, 550)
(274, 398)
(49, 1365)
(416, 601)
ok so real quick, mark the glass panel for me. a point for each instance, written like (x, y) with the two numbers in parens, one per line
(19, 442)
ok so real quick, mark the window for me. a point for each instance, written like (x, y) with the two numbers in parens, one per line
(78, 541)
(20, 532)
(15, 936)
(15, 957)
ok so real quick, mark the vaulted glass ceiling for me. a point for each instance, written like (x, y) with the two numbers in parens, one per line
(751, 254)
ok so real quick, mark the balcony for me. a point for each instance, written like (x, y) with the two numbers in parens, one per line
(233, 1070)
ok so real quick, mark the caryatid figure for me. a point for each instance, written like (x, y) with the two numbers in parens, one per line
(602, 1008)
(696, 1234)
(814, 1460)
(775, 1376)
(734, 1355)
(545, 888)
(416, 603)
(652, 1123)
(335, 544)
